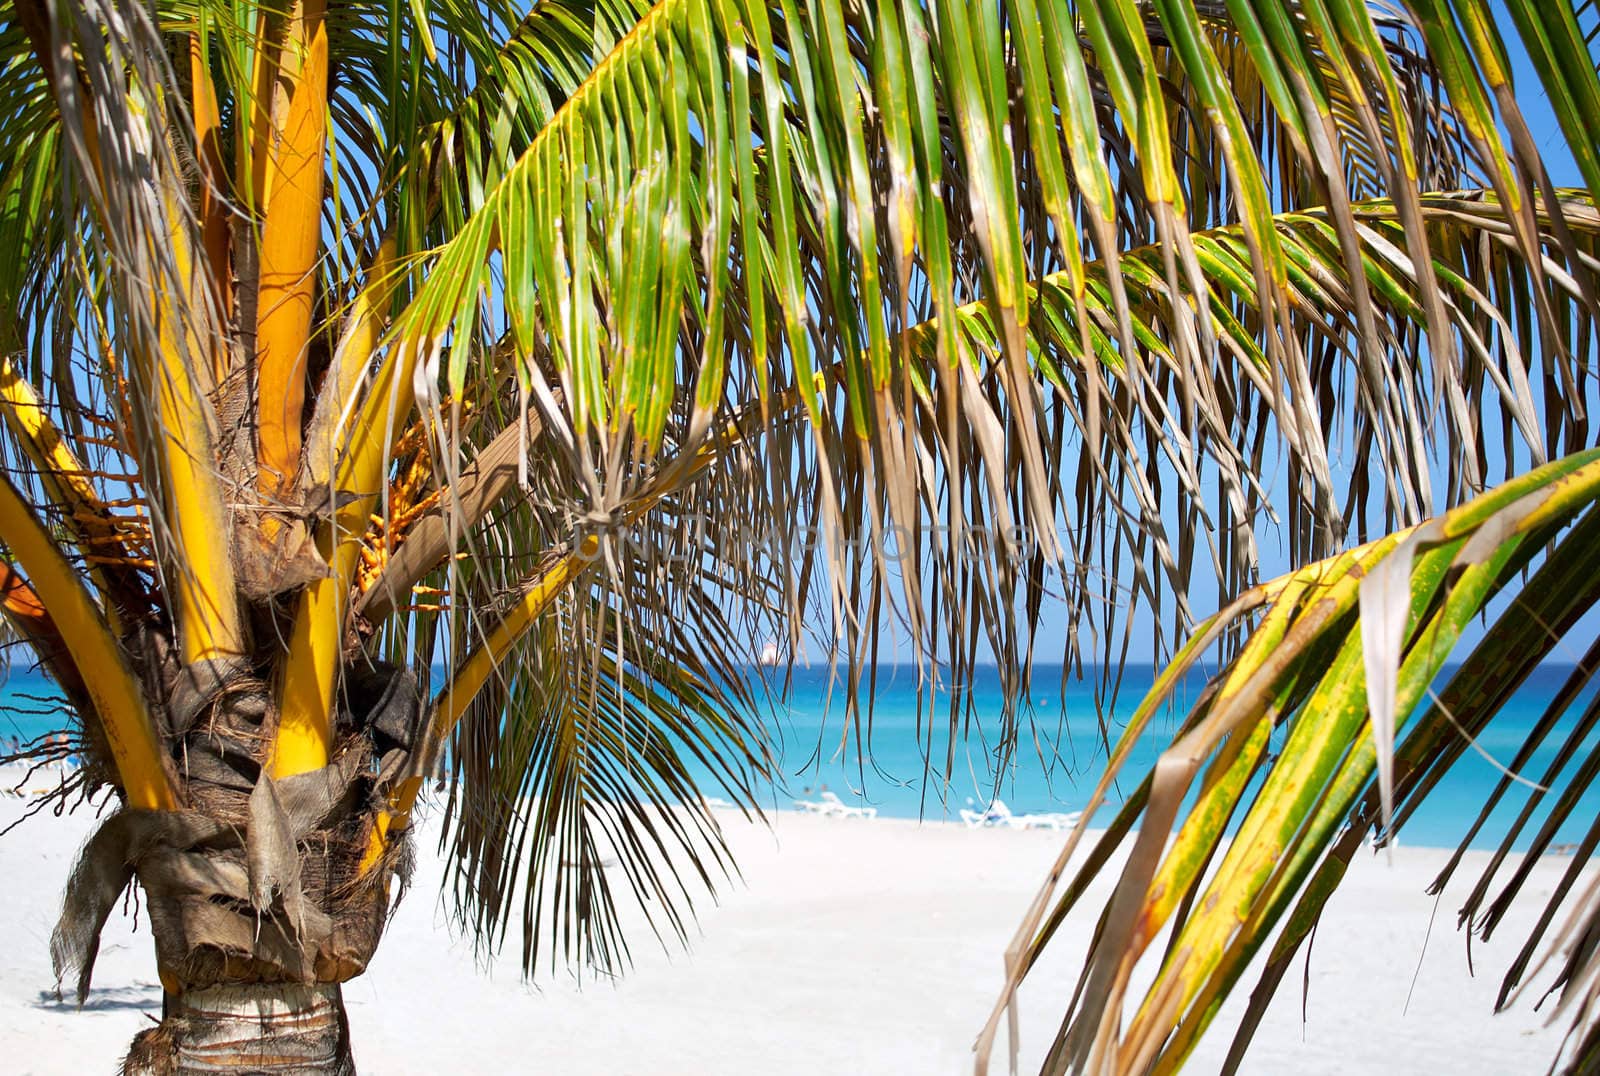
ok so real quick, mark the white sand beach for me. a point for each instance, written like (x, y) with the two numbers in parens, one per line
(849, 947)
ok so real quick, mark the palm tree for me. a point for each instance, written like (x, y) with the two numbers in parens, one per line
(578, 349)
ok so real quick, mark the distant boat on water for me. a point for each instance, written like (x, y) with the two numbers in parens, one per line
(769, 653)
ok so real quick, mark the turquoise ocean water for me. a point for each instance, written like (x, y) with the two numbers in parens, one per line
(1058, 758)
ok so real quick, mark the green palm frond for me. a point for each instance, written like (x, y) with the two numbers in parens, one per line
(1361, 726)
(444, 156)
(1141, 403)
(576, 785)
(1482, 278)
(582, 771)
(1559, 39)
(743, 204)
(27, 190)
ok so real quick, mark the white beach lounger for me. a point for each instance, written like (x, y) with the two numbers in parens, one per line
(1056, 821)
(831, 806)
(996, 814)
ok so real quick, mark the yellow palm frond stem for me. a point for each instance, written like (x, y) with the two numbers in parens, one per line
(118, 699)
(253, 128)
(66, 482)
(370, 439)
(357, 343)
(202, 575)
(167, 399)
(310, 671)
(316, 640)
(290, 235)
(470, 677)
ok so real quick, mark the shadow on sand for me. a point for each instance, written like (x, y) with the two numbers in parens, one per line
(103, 999)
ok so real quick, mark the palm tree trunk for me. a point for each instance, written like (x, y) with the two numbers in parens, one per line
(263, 894)
(287, 1029)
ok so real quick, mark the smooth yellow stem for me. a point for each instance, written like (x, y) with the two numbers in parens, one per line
(310, 675)
(170, 396)
(363, 329)
(316, 639)
(30, 423)
(253, 132)
(202, 575)
(305, 730)
(118, 698)
(64, 477)
(290, 236)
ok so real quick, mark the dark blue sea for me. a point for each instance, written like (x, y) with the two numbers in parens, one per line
(1059, 752)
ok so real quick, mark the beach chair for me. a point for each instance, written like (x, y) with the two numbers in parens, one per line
(831, 806)
(999, 816)
(996, 814)
(1051, 821)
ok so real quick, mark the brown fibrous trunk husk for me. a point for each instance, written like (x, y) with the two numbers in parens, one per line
(256, 891)
(284, 1029)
